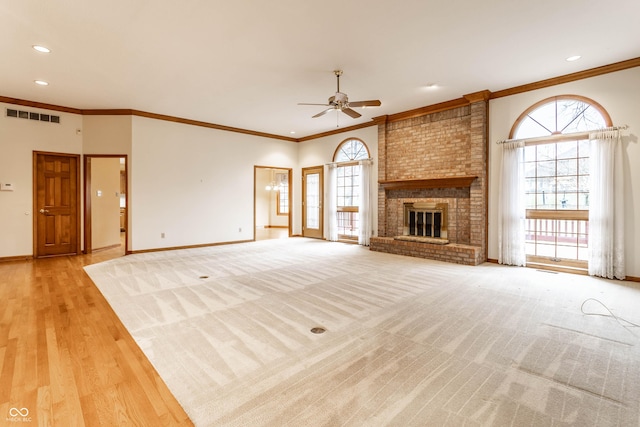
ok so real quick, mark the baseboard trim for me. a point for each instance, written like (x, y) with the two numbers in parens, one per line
(175, 248)
(16, 258)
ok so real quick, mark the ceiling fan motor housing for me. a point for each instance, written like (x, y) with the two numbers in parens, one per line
(339, 98)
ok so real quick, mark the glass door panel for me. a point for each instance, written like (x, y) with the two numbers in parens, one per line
(312, 202)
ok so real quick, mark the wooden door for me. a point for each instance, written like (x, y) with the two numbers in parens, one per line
(312, 197)
(56, 207)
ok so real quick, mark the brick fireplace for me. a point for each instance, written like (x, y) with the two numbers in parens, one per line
(434, 161)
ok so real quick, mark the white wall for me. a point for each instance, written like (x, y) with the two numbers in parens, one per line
(195, 184)
(619, 94)
(105, 202)
(18, 139)
(106, 134)
(317, 152)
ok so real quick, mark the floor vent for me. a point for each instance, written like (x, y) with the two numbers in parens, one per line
(32, 115)
(546, 271)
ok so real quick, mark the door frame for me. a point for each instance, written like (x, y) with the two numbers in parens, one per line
(87, 199)
(304, 201)
(78, 201)
(255, 193)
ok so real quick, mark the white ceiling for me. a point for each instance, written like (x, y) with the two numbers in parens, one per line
(247, 64)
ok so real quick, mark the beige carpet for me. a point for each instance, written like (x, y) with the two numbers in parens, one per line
(408, 342)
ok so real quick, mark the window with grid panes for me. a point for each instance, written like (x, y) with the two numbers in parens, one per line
(348, 186)
(283, 194)
(557, 179)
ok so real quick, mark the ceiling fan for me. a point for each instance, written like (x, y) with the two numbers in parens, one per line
(340, 101)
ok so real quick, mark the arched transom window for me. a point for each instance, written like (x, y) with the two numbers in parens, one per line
(350, 150)
(560, 115)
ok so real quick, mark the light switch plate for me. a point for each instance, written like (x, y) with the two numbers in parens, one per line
(6, 187)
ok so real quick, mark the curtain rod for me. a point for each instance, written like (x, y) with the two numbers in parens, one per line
(560, 136)
(353, 162)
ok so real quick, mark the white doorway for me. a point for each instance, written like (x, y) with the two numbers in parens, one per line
(106, 223)
(272, 207)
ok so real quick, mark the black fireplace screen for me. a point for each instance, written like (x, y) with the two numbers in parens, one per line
(426, 224)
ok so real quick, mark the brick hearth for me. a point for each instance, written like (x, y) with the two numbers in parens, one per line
(452, 252)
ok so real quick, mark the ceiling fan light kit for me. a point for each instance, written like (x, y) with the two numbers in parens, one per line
(340, 101)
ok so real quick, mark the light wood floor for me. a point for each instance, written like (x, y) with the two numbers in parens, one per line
(271, 233)
(66, 359)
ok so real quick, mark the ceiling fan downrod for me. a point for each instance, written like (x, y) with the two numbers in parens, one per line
(338, 73)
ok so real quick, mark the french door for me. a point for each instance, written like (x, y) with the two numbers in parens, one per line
(312, 191)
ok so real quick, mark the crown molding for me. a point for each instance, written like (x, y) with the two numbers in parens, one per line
(554, 81)
(209, 125)
(429, 109)
(338, 131)
(481, 96)
(34, 104)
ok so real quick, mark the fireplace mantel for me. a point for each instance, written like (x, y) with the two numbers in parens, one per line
(415, 184)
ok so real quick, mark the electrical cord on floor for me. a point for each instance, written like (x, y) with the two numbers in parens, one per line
(623, 322)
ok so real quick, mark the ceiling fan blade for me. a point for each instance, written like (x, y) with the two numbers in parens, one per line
(372, 103)
(304, 103)
(322, 113)
(352, 113)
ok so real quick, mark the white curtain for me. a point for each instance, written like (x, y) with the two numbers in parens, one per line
(606, 205)
(332, 210)
(364, 231)
(511, 209)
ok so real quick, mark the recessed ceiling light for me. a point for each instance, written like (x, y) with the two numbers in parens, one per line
(573, 58)
(431, 86)
(41, 82)
(41, 48)
(292, 132)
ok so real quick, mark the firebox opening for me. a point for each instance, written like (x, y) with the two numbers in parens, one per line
(425, 222)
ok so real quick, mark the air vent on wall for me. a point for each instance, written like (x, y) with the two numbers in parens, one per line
(32, 115)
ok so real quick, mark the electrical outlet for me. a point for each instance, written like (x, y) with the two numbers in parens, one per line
(239, 229)
(162, 235)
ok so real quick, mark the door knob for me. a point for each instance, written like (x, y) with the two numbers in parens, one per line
(44, 211)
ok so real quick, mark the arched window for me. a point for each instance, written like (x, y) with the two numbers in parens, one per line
(348, 186)
(350, 150)
(560, 115)
(557, 177)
